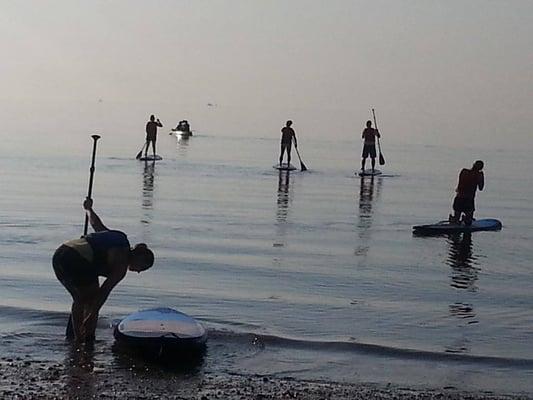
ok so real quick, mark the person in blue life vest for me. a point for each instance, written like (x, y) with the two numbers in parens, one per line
(78, 264)
(369, 145)
(287, 136)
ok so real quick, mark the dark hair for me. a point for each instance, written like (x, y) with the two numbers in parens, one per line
(368, 123)
(478, 165)
(289, 122)
(147, 255)
(152, 116)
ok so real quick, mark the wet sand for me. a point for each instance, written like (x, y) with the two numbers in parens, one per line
(27, 378)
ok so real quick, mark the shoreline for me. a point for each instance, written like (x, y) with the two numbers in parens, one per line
(27, 378)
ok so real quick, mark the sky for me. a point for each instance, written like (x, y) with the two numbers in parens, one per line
(437, 72)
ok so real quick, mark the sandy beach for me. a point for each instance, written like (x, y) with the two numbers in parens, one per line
(28, 378)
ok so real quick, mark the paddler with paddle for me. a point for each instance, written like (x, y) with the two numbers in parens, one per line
(369, 145)
(469, 181)
(287, 136)
(151, 133)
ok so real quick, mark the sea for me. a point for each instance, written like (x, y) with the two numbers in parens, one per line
(305, 274)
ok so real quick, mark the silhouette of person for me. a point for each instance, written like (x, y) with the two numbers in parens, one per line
(469, 181)
(287, 136)
(151, 133)
(369, 145)
(78, 263)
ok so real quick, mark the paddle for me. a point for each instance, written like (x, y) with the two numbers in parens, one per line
(140, 153)
(381, 158)
(302, 165)
(70, 329)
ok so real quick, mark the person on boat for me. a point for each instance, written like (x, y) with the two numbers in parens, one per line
(463, 204)
(287, 136)
(369, 145)
(78, 263)
(151, 133)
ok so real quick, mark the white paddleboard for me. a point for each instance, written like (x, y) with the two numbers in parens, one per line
(369, 172)
(284, 167)
(151, 158)
(161, 329)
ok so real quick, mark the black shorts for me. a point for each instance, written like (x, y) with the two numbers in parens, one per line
(287, 146)
(463, 205)
(71, 267)
(369, 150)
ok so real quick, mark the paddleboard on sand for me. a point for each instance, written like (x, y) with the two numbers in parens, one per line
(369, 172)
(284, 167)
(151, 158)
(161, 332)
(447, 227)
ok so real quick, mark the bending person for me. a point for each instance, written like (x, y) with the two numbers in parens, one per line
(78, 263)
(287, 135)
(464, 203)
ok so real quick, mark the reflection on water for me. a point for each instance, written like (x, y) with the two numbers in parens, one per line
(464, 276)
(282, 211)
(460, 258)
(182, 144)
(368, 192)
(79, 371)
(148, 185)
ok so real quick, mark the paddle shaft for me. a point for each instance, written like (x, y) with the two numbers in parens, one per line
(302, 165)
(91, 179)
(381, 158)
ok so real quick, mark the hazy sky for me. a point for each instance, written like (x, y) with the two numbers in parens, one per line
(436, 71)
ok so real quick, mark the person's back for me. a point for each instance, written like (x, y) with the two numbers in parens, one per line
(369, 135)
(469, 181)
(151, 133)
(287, 134)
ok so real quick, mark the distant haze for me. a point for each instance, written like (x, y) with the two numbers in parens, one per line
(437, 72)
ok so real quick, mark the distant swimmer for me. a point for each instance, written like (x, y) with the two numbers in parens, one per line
(151, 133)
(469, 181)
(287, 135)
(369, 145)
(78, 263)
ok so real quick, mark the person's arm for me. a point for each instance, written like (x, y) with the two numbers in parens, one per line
(295, 141)
(94, 219)
(159, 124)
(378, 134)
(481, 183)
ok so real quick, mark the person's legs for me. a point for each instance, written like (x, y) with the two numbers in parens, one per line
(153, 147)
(365, 156)
(283, 147)
(89, 294)
(373, 163)
(147, 144)
(289, 154)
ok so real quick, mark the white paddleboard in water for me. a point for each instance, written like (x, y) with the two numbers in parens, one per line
(284, 167)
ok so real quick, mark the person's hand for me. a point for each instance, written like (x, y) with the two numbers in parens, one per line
(88, 203)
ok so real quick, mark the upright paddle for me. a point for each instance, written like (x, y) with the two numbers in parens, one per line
(70, 329)
(140, 153)
(381, 158)
(302, 165)
(91, 178)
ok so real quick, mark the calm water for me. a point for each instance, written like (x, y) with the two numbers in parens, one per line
(313, 275)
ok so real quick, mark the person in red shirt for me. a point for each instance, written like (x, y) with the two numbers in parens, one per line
(369, 146)
(469, 181)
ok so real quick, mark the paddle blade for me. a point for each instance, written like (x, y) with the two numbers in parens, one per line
(381, 159)
(302, 166)
(139, 155)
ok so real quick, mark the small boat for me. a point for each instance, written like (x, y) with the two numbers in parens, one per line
(183, 129)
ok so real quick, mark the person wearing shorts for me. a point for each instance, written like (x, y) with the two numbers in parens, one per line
(369, 145)
(464, 202)
(287, 136)
(151, 133)
(79, 263)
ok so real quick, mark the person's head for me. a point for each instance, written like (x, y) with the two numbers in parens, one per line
(141, 258)
(152, 117)
(478, 165)
(368, 124)
(289, 123)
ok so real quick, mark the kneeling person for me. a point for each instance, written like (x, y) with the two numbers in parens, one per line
(78, 263)
(464, 203)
